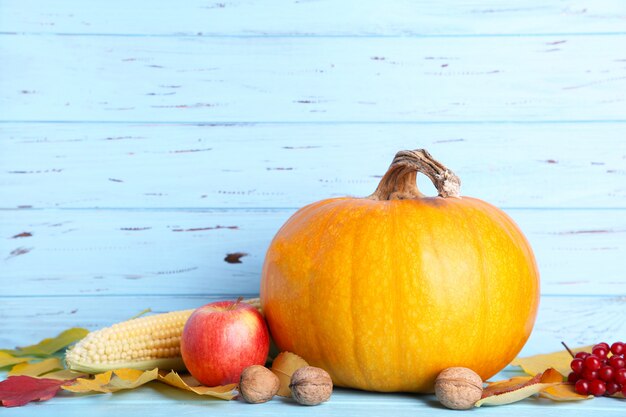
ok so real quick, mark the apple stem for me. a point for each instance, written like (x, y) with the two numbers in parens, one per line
(235, 304)
(568, 349)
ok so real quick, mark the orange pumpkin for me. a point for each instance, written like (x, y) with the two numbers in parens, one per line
(386, 291)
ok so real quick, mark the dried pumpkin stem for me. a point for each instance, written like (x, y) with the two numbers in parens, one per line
(399, 183)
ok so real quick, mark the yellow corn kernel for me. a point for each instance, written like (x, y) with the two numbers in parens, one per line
(143, 343)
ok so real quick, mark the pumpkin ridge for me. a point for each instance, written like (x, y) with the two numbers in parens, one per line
(329, 210)
(358, 363)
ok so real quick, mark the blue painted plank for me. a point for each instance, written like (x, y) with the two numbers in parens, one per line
(312, 79)
(284, 165)
(116, 252)
(25, 320)
(158, 400)
(326, 17)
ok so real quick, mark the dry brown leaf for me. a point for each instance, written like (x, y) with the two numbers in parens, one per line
(189, 383)
(285, 364)
(560, 361)
(112, 381)
(505, 385)
(36, 369)
(563, 392)
(514, 389)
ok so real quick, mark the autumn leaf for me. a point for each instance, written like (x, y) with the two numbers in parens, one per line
(94, 384)
(36, 369)
(20, 390)
(189, 383)
(518, 388)
(51, 345)
(551, 375)
(6, 359)
(64, 374)
(112, 381)
(560, 361)
(285, 364)
(563, 392)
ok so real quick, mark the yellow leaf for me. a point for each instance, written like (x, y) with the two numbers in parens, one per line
(131, 378)
(90, 385)
(188, 383)
(560, 361)
(112, 381)
(36, 369)
(51, 345)
(63, 375)
(285, 364)
(6, 359)
(563, 392)
(551, 375)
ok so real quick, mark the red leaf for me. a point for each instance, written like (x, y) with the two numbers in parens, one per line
(19, 390)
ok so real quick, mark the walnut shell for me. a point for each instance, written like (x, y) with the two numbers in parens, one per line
(258, 384)
(311, 385)
(458, 388)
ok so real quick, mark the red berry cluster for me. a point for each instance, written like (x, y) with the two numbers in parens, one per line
(598, 374)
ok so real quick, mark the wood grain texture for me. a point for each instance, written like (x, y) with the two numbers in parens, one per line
(284, 165)
(116, 252)
(144, 144)
(313, 79)
(311, 18)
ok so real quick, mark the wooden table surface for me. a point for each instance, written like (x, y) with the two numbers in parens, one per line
(141, 142)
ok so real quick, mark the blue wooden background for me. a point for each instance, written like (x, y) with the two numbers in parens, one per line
(141, 142)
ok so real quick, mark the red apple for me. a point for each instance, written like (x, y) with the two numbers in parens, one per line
(221, 339)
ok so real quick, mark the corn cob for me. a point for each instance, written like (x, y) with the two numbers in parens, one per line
(143, 343)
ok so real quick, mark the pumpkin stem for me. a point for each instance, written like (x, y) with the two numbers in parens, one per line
(399, 183)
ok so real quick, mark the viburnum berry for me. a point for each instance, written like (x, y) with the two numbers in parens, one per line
(620, 376)
(573, 377)
(618, 348)
(617, 362)
(606, 373)
(593, 363)
(589, 375)
(597, 388)
(577, 365)
(612, 388)
(600, 352)
(603, 344)
(581, 355)
(582, 387)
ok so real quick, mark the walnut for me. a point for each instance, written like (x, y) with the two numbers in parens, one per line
(258, 384)
(311, 385)
(458, 388)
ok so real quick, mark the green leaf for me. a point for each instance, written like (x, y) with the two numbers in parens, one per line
(141, 313)
(6, 359)
(51, 345)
